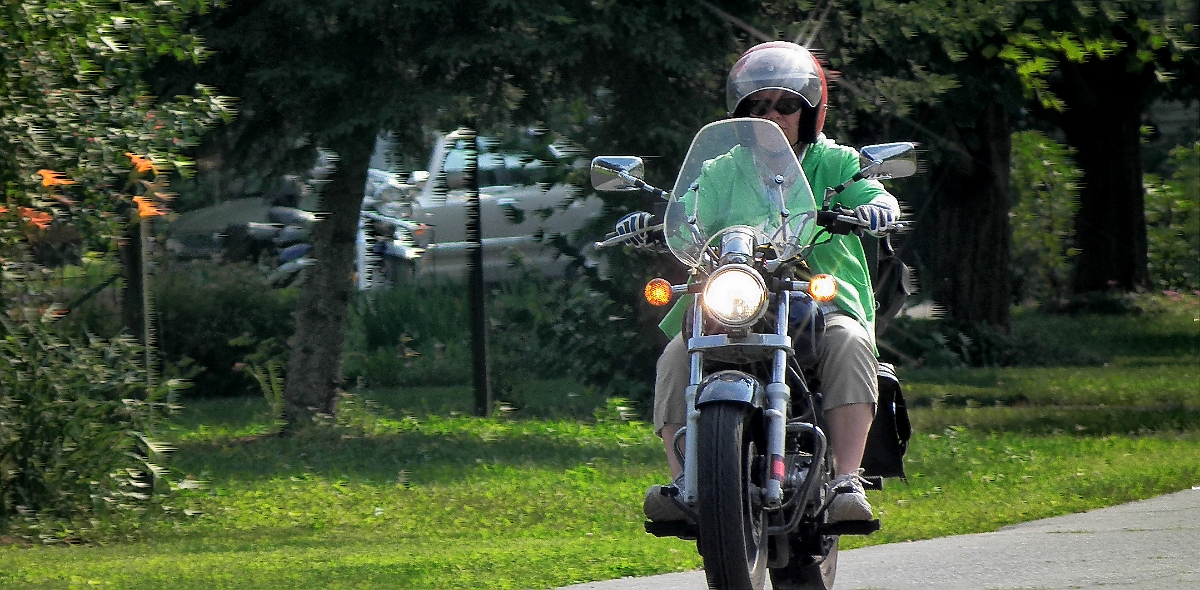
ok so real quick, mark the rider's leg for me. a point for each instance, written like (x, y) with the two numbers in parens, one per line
(670, 408)
(848, 427)
(848, 371)
(668, 435)
(670, 414)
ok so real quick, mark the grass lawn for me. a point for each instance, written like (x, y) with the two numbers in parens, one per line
(410, 493)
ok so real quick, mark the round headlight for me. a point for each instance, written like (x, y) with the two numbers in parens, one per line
(735, 295)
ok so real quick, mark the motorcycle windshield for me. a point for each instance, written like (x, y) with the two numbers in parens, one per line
(739, 172)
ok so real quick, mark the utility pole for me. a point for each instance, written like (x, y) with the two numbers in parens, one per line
(482, 382)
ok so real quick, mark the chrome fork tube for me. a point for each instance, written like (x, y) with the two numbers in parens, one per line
(690, 442)
(778, 398)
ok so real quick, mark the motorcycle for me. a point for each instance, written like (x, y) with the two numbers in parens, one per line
(754, 451)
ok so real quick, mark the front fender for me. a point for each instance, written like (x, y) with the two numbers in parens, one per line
(731, 386)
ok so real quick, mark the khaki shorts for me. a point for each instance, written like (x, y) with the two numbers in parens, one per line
(847, 368)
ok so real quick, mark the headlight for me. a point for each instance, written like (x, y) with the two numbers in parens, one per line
(735, 295)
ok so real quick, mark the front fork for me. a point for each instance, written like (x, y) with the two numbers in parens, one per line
(778, 401)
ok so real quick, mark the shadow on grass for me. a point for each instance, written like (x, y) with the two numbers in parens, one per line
(422, 456)
(1086, 421)
(550, 399)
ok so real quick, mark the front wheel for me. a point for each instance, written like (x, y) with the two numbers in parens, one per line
(733, 530)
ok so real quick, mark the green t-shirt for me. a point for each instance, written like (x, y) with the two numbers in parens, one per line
(826, 164)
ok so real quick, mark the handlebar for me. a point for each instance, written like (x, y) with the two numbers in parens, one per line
(838, 222)
(613, 239)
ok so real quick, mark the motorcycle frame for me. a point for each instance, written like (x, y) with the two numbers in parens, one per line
(777, 347)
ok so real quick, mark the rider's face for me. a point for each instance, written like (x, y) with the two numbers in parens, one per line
(790, 124)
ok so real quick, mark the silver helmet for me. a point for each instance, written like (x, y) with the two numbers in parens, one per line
(779, 65)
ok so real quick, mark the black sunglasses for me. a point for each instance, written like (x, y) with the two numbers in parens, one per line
(762, 107)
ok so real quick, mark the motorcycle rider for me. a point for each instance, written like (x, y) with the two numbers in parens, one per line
(783, 82)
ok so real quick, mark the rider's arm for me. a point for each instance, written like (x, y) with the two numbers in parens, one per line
(869, 200)
(859, 193)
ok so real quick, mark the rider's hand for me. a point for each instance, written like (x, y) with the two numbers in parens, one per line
(877, 218)
(632, 224)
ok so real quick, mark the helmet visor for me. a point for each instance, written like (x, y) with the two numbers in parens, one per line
(788, 68)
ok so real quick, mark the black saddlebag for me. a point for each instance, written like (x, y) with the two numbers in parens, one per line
(888, 439)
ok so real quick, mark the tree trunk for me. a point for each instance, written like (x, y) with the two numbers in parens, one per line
(314, 370)
(1103, 123)
(970, 229)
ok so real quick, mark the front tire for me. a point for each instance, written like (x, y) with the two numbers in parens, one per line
(733, 529)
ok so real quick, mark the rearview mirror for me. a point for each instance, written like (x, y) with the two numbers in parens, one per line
(613, 173)
(900, 168)
(883, 151)
(889, 160)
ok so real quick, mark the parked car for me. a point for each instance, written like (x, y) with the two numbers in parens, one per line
(414, 225)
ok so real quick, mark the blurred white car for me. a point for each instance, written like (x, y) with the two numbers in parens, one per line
(415, 225)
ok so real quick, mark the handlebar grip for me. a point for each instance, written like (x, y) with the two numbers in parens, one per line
(838, 223)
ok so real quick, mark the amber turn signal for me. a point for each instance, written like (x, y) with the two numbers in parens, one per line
(658, 292)
(822, 288)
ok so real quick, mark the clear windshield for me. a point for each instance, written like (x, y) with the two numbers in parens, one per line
(739, 172)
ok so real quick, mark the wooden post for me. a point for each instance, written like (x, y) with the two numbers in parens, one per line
(482, 382)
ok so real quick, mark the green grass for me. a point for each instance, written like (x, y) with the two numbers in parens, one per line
(409, 492)
(561, 398)
(963, 481)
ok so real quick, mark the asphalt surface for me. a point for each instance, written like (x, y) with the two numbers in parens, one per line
(1152, 544)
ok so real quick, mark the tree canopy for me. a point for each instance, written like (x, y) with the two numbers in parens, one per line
(335, 73)
(959, 75)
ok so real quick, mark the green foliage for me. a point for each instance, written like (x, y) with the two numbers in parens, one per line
(77, 457)
(270, 379)
(615, 409)
(1045, 186)
(1173, 222)
(416, 66)
(75, 104)
(538, 328)
(82, 137)
(1142, 34)
(552, 328)
(896, 56)
(1152, 325)
(220, 315)
(948, 343)
(413, 334)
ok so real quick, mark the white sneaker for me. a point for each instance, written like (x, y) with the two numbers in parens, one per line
(849, 501)
(660, 508)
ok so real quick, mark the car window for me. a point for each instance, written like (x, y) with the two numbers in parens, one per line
(495, 168)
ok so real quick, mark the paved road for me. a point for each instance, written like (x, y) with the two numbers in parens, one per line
(1153, 544)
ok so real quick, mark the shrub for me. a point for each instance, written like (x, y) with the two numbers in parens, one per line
(947, 343)
(566, 328)
(219, 315)
(1046, 191)
(77, 460)
(538, 328)
(410, 334)
(1173, 222)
